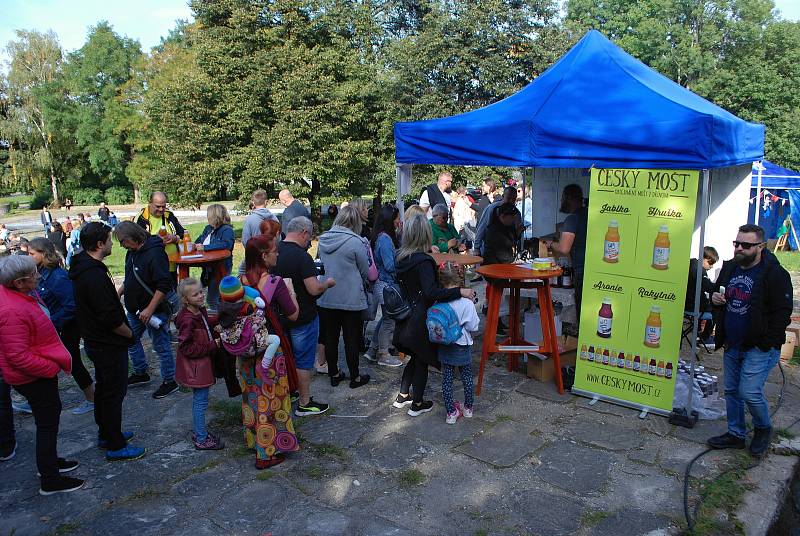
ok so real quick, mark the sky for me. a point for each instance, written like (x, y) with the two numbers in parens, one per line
(144, 20)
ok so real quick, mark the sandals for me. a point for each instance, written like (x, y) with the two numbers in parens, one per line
(362, 380)
(337, 378)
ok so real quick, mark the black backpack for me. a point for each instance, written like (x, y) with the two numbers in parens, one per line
(396, 304)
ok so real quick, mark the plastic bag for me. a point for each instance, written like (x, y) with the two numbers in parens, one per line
(709, 408)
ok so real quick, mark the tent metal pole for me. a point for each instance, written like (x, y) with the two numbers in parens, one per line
(704, 205)
(758, 191)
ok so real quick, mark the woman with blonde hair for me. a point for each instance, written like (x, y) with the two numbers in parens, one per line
(218, 234)
(363, 210)
(416, 271)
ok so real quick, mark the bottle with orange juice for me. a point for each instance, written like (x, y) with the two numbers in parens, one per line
(652, 328)
(611, 245)
(661, 249)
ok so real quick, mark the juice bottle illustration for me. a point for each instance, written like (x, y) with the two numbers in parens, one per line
(661, 249)
(652, 328)
(668, 371)
(590, 354)
(611, 246)
(584, 353)
(629, 362)
(604, 317)
(613, 358)
(660, 369)
(621, 360)
(651, 370)
(605, 356)
(636, 363)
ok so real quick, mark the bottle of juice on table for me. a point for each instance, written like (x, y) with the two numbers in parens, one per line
(611, 246)
(652, 328)
(186, 241)
(661, 249)
(604, 317)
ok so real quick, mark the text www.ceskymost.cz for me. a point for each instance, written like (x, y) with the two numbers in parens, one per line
(624, 384)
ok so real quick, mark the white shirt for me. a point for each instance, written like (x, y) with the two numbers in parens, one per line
(425, 203)
(467, 317)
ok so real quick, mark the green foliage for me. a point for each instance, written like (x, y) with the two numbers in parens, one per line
(118, 195)
(86, 196)
(41, 198)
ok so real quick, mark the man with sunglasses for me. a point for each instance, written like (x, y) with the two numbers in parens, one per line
(754, 305)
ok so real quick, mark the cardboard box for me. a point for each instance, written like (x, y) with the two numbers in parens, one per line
(794, 327)
(540, 367)
(787, 350)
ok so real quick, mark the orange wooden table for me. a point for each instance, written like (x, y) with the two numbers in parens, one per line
(515, 277)
(457, 258)
(213, 259)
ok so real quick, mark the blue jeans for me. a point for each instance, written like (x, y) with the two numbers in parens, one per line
(304, 344)
(6, 416)
(212, 295)
(745, 375)
(161, 344)
(199, 407)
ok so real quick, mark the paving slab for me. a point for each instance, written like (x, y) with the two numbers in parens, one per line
(546, 514)
(608, 408)
(343, 433)
(544, 390)
(605, 435)
(573, 467)
(502, 446)
(701, 431)
(630, 521)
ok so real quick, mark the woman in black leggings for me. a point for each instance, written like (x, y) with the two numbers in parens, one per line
(55, 290)
(416, 270)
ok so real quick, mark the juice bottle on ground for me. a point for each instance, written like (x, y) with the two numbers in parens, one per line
(652, 328)
(604, 317)
(613, 358)
(668, 371)
(660, 369)
(590, 354)
(651, 370)
(605, 356)
(584, 353)
(636, 363)
(661, 249)
(611, 245)
(621, 360)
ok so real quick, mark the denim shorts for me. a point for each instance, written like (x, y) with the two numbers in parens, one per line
(455, 354)
(304, 344)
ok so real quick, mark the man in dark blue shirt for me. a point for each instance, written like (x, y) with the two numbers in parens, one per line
(754, 301)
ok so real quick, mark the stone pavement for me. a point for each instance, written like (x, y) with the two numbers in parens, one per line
(529, 462)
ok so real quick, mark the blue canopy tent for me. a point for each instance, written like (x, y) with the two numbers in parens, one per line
(596, 106)
(781, 183)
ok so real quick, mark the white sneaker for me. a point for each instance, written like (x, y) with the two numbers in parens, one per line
(369, 357)
(453, 417)
(465, 411)
(22, 407)
(322, 369)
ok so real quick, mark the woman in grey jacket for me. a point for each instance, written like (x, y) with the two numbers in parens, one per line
(344, 254)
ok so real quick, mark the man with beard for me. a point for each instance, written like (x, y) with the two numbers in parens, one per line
(572, 241)
(754, 306)
(438, 193)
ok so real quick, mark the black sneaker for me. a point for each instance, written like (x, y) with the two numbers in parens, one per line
(418, 409)
(726, 441)
(135, 380)
(166, 388)
(64, 466)
(312, 408)
(760, 442)
(6, 453)
(63, 484)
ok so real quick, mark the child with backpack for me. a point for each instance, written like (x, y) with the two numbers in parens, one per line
(449, 325)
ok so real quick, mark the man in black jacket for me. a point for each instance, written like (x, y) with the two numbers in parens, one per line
(106, 336)
(438, 193)
(147, 284)
(754, 301)
(158, 221)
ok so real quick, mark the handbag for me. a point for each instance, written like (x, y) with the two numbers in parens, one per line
(170, 304)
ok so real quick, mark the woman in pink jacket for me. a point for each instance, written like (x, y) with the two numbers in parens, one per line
(31, 356)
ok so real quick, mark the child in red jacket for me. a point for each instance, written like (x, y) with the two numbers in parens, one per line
(194, 362)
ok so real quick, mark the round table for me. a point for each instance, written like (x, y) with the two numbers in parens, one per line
(214, 259)
(515, 277)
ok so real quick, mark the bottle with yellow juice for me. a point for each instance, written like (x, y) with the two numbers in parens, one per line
(652, 328)
(661, 249)
(611, 245)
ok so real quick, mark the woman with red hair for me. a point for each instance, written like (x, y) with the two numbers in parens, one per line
(266, 398)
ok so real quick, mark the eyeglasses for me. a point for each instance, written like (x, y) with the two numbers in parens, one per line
(745, 245)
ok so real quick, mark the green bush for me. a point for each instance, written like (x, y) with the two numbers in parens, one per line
(119, 195)
(40, 199)
(86, 196)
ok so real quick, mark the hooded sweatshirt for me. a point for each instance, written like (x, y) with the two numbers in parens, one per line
(99, 311)
(152, 265)
(345, 257)
(252, 227)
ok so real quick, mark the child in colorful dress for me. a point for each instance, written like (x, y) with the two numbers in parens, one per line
(242, 326)
(459, 353)
(194, 361)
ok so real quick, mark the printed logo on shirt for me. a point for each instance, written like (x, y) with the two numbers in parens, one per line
(738, 293)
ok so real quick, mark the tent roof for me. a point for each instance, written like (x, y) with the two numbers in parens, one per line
(597, 105)
(775, 176)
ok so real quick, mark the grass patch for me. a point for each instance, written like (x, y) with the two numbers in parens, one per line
(590, 519)
(328, 450)
(239, 452)
(785, 433)
(789, 260)
(227, 413)
(723, 493)
(481, 532)
(408, 478)
(503, 418)
(316, 472)
(66, 528)
(264, 475)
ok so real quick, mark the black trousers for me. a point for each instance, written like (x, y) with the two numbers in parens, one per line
(111, 374)
(71, 337)
(415, 375)
(45, 403)
(348, 323)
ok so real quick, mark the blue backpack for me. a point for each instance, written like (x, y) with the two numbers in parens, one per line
(443, 324)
